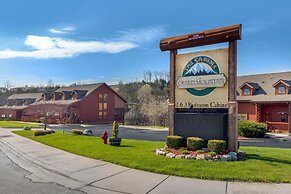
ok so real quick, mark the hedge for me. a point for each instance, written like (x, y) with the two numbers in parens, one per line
(174, 141)
(217, 146)
(251, 129)
(194, 143)
(43, 132)
(77, 132)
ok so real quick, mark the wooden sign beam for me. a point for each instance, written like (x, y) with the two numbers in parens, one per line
(214, 36)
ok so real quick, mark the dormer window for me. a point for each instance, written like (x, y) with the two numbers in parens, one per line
(282, 87)
(247, 91)
(249, 88)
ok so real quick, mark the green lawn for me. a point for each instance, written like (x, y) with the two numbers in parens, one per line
(263, 164)
(18, 124)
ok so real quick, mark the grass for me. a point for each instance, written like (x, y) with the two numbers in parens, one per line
(18, 124)
(263, 164)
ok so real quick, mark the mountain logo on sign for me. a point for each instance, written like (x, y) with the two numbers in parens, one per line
(199, 69)
(200, 66)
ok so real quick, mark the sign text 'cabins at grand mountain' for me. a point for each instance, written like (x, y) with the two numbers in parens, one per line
(90, 103)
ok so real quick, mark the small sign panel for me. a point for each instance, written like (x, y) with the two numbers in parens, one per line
(201, 79)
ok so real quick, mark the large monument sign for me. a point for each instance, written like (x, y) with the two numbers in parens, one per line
(203, 89)
(201, 79)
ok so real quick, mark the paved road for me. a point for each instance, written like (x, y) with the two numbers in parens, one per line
(160, 135)
(124, 132)
(12, 180)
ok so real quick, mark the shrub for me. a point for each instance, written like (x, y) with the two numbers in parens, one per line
(184, 152)
(251, 129)
(77, 132)
(39, 132)
(216, 146)
(194, 143)
(200, 151)
(115, 131)
(43, 132)
(26, 128)
(212, 154)
(174, 141)
(49, 131)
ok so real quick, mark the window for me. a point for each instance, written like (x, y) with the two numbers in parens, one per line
(105, 105)
(247, 91)
(100, 97)
(100, 106)
(100, 115)
(105, 97)
(281, 90)
(104, 115)
(3, 115)
(10, 116)
(283, 117)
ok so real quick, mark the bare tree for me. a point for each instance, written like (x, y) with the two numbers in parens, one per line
(50, 84)
(8, 103)
(147, 75)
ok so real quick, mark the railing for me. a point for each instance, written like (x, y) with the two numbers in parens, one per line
(277, 126)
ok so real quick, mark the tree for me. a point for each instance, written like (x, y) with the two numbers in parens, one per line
(8, 103)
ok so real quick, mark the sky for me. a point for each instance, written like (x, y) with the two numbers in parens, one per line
(70, 41)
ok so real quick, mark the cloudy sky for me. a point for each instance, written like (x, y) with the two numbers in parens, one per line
(111, 40)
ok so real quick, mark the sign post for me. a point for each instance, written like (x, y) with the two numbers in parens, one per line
(203, 85)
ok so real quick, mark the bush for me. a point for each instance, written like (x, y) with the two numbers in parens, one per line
(212, 154)
(174, 141)
(49, 131)
(26, 128)
(77, 132)
(194, 143)
(251, 129)
(115, 131)
(43, 132)
(200, 151)
(39, 132)
(216, 146)
(184, 152)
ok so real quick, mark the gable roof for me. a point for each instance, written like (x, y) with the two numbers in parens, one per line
(285, 82)
(36, 96)
(266, 91)
(86, 87)
(251, 85)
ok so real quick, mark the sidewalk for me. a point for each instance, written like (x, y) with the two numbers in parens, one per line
(47, 164)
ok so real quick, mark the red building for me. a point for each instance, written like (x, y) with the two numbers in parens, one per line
(266, 98)
(16, 103)
(91, 103)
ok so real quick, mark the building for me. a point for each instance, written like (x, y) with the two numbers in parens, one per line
(16, 103)
(90, 103)
(266, 98)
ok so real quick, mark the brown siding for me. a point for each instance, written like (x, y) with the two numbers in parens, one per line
(274, 110)
(249, 109)
(89, 106)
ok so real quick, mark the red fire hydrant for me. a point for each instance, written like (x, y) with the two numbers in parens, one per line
(104, 137)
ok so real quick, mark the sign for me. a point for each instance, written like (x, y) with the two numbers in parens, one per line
(201, 79)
